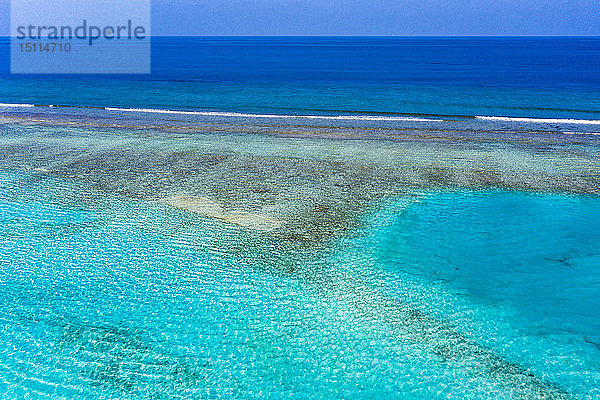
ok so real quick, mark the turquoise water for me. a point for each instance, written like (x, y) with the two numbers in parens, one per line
(103, 297)
(516, 271)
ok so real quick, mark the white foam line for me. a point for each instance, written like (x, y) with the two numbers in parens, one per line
(581, 133)
(243, 115)
(542, 120)
(16, 105)
(271, 116)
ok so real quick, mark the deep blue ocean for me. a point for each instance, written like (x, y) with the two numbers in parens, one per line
(541, 77)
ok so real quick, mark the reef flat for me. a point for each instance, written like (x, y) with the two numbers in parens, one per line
(296, 188)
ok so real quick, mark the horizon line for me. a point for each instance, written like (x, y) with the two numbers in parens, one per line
(373, 36)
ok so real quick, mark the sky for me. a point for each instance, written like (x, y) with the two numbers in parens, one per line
(368, 17)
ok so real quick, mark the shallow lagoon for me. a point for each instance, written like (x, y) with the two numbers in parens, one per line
(145, 262)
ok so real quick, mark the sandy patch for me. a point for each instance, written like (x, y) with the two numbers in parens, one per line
(212, 209)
